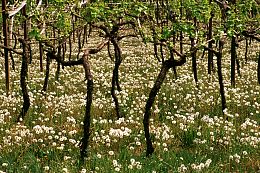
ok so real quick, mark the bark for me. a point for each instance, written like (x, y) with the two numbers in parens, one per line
(194, 54)
(30, 53)
(220, 76)
(174, 67)
(26, 99)
(79, 43)
(238, 66)
(73, 28)
(160, 78)
(172, 54)
(12, 59)
(181, 34)
(246, 49)
(149, 103)
(41, 55)
(85, 35)
(109, 52)
(115, 78)
(11, 37)
(210, 53)
(155, 45)
(70, 47)
(86, 128)
(89, 77)
(47, 72)
(24, 72)
(5, 34)
(233, 61)
(51, 55)
(161, 50)
(194, 61)
(203, 54)
(181, 42)
(57, 75)
(63, 52)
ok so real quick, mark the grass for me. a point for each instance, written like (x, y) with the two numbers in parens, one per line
(189, 132)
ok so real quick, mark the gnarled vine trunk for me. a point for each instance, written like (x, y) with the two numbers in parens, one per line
(86, 127)
(233, 61)
(24, 71)
(166, 65)
(115, 77)
(220, 76)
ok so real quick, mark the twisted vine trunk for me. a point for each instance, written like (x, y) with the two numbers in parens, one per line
(233, 61)
(86, 128)
(47, 72)
(166, 65)
(210, 44)
(64, 49)
(115, 78)
(181, 34)
(238, 66)
(220, 76)
(194, 61)
(24, 71)
(160, 78)
(174, 67)
(5, 34)
(11, 37)
(246, 52)
(194, 55)
(79, 43)
(70, 47)
(41, 55)
(155, 45)
(85, 62)
(57, 75)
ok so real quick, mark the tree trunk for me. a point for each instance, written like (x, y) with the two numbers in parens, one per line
(79, 43)
(57, 75)
(238, 66)
(246, 49)
(70, 47)
(210, 53)
(155, 45)
(157, 85)
(47, 72)
(194, 55)
(174, 67)
(85, 139)
(181, 34)
(24, 71)
(5, 33)
(41, 56)
(73, 28)
(11, 38)
(115, 78)
(220, 77)
(63, 52)
(233, 61)
(194, 61)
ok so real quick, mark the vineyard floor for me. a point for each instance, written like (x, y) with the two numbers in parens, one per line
(189, 132)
